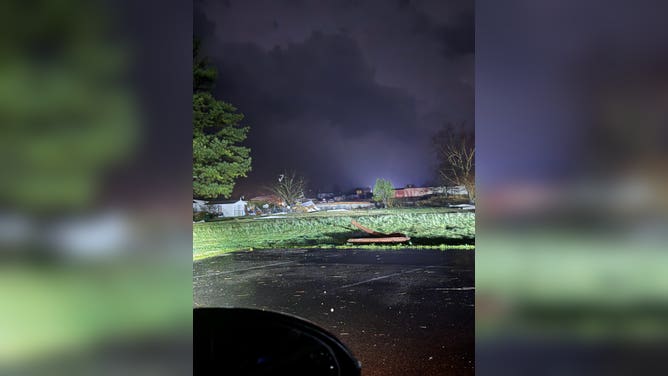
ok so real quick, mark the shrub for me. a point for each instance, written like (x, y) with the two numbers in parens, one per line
(203, 216)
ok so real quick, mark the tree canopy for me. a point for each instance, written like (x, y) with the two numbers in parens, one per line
(68, 115)
(383, 191)
(219, 158)
(204, 75)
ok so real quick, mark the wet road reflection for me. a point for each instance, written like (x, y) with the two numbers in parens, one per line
(400, 312)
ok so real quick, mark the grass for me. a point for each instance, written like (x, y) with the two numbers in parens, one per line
(55, 309)
(561, 283)
(428, 228)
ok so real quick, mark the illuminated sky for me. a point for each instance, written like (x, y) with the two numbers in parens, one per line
(342, 91)
(546, 72)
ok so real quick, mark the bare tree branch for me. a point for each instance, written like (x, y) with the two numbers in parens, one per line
(455, 150)
(289, 188)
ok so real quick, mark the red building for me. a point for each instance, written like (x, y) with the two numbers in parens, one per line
(413, 192)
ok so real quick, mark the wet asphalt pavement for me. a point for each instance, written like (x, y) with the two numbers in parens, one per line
(407, 312)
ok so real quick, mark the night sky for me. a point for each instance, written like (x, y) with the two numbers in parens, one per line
(343, 92)
(545, 70)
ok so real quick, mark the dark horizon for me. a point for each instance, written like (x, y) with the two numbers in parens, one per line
(341, 92)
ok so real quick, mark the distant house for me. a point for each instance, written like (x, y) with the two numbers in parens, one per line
(457, 190)
(413, 192)
(355, 194)
(199, 206)
(229, 209)
(439, 190)
(325, 195)
(363, 192)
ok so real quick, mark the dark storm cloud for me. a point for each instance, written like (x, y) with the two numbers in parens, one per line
(201, 25)
(456, 37)
(342, 91)
(325, 78)
(459, 39)
(312, 96)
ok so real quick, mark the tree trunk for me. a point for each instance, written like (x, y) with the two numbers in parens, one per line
(470, 191)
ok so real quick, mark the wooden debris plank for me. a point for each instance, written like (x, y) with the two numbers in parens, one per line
(366, 229)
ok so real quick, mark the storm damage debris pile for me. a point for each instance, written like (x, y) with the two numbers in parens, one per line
(377, 237)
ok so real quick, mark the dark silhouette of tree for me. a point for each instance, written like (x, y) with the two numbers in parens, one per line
(219, 158)
(455, 148)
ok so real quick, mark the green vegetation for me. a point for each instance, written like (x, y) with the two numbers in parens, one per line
(52, 311)
(428, 228)
(383, 191)
(68, 114)
(219, 159)
(574, 284)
